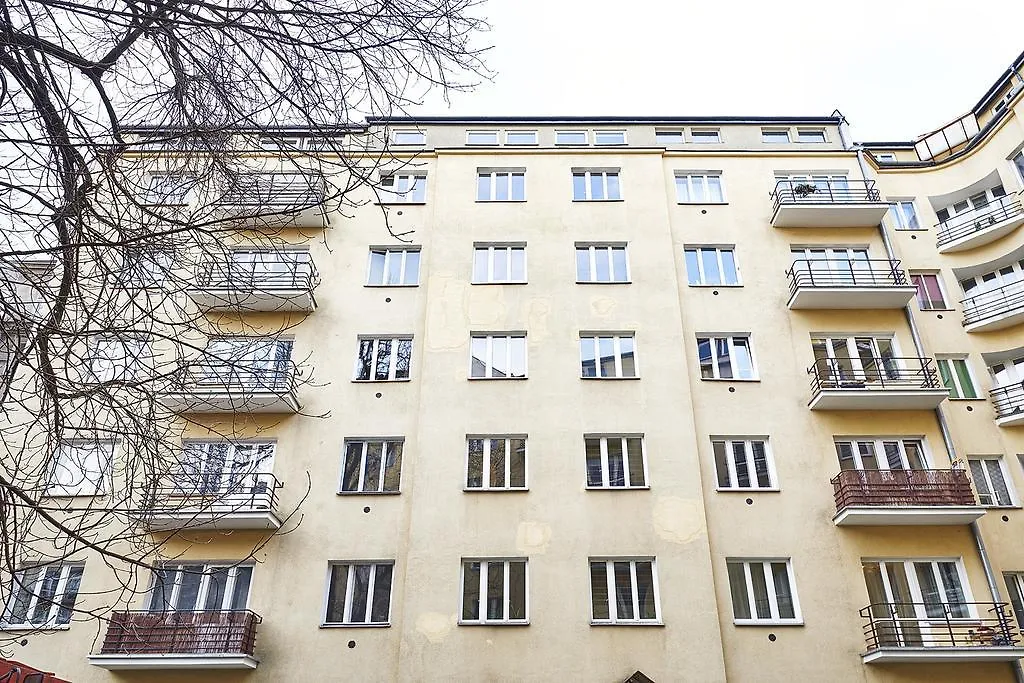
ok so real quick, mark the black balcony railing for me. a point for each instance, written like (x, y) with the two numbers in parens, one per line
(936, 624)
(191, 493)
(269, 273)
(994, 303)
(241, 375)
(887, 488)
(193, 633)
(889, 373)
(276, 191)
(845, 273)
(1008, 400)
(825, 192)
(958, 227)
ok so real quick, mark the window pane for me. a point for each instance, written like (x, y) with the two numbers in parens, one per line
(480, 265)
(501, 186)
(336, 594)
(964, 375)
(376, 276)
(383, 359)
(645, 590)
(761, 463)
(729, 274)
(588, 359)
(597, 186)
(692, 267)
(738, 590)
(999, 490)
(393, 466)
(623, 591)
(613, 186)
(599, 590)
(371, 468)
(471, 591)
(761, 603)
(379, 610)
(190, 577)
(495, 590)
(628, 357)
(478, 362)
(722, 356)
(500, 264)
(497, 470)
(67, 600)
(483, 187)
(412, 267)
(360, 591)
(634, 448)
(683, 188)
(365, 357)
(715, 189)
(240, 593)
(616, 466)
(394, 268)
(953, 592)
(603, 265)
(712, 276)
(517, 590)
(743, 360)
(619, 265)
(739, 457)
(518, 187)
(783, 591)
(518, 265)
(45, 594)
(518, 366)
(403, 359)
(933, 604)
(582, 264)
(947, 378)
(606, 350)
(593, 452)
(475, 474)
(499, 357)
(707, 368)
(517, 463)
(721, 464)
(579, 186)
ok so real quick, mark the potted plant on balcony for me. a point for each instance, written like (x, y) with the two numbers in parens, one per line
(804, 189)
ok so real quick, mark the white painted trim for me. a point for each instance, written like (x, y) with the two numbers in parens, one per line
(173, 661)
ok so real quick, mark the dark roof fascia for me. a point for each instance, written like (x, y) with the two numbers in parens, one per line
(668, 120)
(886, 145)
(990, 94)
(340, 129)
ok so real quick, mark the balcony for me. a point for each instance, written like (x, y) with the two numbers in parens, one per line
(802, 204)
(994, 309)
(904, 498)
(249, 502)
(848, 284)
(276, 200)
(239, 386)
(979, 227)
(875, 384)
(905, 632)
(271, 282)
(1008, 401)
(179, 640)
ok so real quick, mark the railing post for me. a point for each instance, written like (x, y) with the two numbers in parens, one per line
(949, 623)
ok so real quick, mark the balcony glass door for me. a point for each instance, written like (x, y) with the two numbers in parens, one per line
(826, 187)
(200, 588)
(911, 601)
(249, 363)
(834, 266)
(977, 204)
(847, 361)
(989, 289)
(881, 454)
(229, 471)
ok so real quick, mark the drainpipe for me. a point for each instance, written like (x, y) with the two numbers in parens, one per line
(947, 438)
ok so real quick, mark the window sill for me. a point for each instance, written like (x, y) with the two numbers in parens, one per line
(730, 379)
(937, 310)
(368, 493)
(910, 229)
(702, 203)
(610, 378)
(767, 622)
(596, 201)
(502, 624)
(510, 282)
(967, 399)
(627, 623)
(496, 379)
(617, 488)
(740, 286)
(74, 495)
(482, 489)
(747, 490)
(13, 628)
(400, 203)
(600, 282)
(384, 625)
(500, 201)
(1002, 507)
(391, 286)
(381, 381)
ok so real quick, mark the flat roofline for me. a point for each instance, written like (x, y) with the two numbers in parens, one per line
(668, 120)
(1000, 83)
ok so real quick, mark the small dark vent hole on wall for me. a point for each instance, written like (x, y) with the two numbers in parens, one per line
(379, 394)
(366, 509)
(351, 644)
(750, 501)
(772, 637)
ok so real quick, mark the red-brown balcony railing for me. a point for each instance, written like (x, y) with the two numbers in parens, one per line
(936, 624)
(192, 633)
(902, 488)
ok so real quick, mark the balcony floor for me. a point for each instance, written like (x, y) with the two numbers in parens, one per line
(878, 399)
(917, 515)
(213, 520)
(249, 402)
(806, 214)
(122, 662)
(983, 237)
(1008, 318)
(905, 655)
(275, 300)
(841, 298)
(1011, 420)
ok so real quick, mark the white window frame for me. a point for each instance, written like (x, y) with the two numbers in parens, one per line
(800, 132)
(350, 590)
(885, 156)
(584, 133)
(937, 274)
(392, 362)
(597, 138)
(391, 253)
(1014, 581)
(493, 249)
(748, 452)
(485, 474)
(718, 249)
(485, 562)
(492, 132)
(208, 568)
(731, 345)
(880, 454)
(1001, 464)
(617, 338)
(19, 589)
(914, 584)
(92, 482)
(697, 182)
(521, 132)
(493, 179)
(421, 140)
(489, 338)
(365, 442)
(605, 470)
(588, 174)
(776, 131)
(773, 599)
(133, 353)
(900, 219)
(680, 133)
(609, 248)
(958, 384)
(1018, 172)
(706, 131)
(613, 619)
(181, 196)
(406, 188)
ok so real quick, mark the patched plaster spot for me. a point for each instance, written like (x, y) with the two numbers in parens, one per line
(533, 537)
(435, 625)
(602, 306)
(678, 520)
(536, 314)
(446, 316)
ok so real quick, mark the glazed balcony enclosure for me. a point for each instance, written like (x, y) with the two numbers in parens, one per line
(901, 497)
(253, 376)
(887, 383)
(848, 284)
(902, 632)
(827, 204)
(276, 200)
(994, 309)
(258, 281)
(1008, 402)
(206, 639)
(202, 501)
(979, 226)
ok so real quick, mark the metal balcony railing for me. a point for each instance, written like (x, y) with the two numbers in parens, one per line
(1008, 400)
(825, 192)
(902, 488)
(957, 227)
(890, 373)
(845, 273)
(267, 274)
(993, 303)
(278, 191)
(242, 375)
(192, 633)
(935, 624)
(191, 492)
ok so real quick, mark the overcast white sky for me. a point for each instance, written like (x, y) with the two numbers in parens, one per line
(895, 68)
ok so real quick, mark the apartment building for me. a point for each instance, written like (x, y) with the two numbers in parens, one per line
(633, 399)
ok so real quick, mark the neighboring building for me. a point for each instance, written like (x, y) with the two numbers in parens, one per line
(704, 398)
